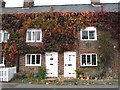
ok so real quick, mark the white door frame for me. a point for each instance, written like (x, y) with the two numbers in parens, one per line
(70, 64)
(51, 59)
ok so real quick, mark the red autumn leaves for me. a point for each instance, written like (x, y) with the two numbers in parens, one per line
(60, 30)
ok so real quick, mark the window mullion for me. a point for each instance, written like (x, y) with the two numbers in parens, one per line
(35, 58)
(91, 59)
(40, 36)
(27, 36)
(26, 59)
(95, 35)
(96, 59)
(34, 36)
(88, 35)
(2, 36)
(40, 60)
(31, 36)
(30, 59)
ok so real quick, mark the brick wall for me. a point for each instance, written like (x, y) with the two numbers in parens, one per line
(84, 47)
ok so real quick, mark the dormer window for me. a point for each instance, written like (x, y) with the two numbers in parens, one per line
(89, 34)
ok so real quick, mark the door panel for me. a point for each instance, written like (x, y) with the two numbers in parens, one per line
(70, 64)
(52, 64)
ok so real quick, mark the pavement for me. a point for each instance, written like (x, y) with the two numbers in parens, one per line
(21, 85)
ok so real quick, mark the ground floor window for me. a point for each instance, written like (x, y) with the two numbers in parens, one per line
(88, 60)
(33, 59)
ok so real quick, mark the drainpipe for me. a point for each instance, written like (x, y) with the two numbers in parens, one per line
(102, 8)
(18, 63)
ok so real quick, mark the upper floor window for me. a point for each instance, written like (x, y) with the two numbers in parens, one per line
(89, 33)
(88, 59)
(34, 35)
(33, 59)
(4, 36)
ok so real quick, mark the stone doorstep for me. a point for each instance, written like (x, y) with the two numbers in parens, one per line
(51, 79)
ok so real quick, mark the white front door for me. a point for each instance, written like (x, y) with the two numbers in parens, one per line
(52, 64)
(69, 64)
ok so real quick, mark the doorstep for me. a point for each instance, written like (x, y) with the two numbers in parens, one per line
(51, 79)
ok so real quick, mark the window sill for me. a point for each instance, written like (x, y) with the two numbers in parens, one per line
(33, 65)
(33, 42)
(2, 64)
(3, 41)
(88, 65)
(88, 39)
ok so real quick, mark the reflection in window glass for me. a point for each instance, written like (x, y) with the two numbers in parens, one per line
(28, 59)
(29, 35)
(93, 59)
(5, 36)
(88, 59)
(33, 59)
(83, 59)
(38, 59)
(38, 35)
(91, 34)
(84, 34)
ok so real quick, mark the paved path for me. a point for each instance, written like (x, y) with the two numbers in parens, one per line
(16, 85)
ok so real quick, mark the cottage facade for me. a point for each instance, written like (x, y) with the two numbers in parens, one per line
(84, 55)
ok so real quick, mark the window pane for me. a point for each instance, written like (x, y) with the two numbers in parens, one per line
(33, 35)
(93, 59)
(83, 59)
(0, 37)
(1, 60)
(33, 59)
(28, 59)
(69, 57)
(88, 59)
(84, 34)
(38, 59)
(5, 36)
(38, 35)
(91, 34)
(29, 35)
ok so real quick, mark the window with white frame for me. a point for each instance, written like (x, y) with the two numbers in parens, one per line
(89, 33)
(4, 36)
(33, 60)
(88, 60)
(34, 35)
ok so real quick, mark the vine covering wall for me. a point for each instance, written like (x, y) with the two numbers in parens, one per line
(59, 30)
